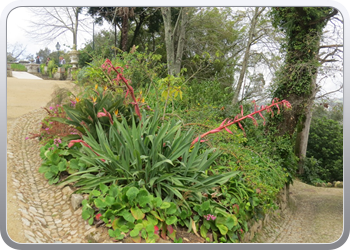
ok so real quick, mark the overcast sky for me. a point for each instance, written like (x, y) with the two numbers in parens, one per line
(19, 21)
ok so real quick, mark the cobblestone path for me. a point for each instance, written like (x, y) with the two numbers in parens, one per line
(45, 210)
(316, 218)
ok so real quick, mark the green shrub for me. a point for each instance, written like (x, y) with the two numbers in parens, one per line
(312, 170)
(143, 70)
(326, 145)
(210, 92)
(51, 68)
(18, 67)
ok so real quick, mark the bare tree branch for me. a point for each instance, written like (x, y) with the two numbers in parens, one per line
(49, 23)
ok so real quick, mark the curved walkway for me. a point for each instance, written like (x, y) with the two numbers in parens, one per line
(45, 211)
(316, 218)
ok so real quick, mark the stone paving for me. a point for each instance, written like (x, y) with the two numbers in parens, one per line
(45, 210)
(24, 75)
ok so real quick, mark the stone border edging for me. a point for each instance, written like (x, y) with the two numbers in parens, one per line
(45, 210)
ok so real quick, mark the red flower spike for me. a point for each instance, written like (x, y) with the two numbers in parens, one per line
(254, 105)
(101, 114)
(119, 71)
(228, 130)
(222, 124)
(225, 124)
(262, 117)
(278, 108)
(105, 113)
(254, 121)
(240, 125)
(72, 142)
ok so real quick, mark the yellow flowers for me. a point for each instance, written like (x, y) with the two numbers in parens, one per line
(77, 99)
(96, 87)
(94, 99)
(116, 112)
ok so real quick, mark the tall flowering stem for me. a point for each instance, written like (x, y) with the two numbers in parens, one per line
(106, 114)
(119, 70)
(226, 123)
(72, 142)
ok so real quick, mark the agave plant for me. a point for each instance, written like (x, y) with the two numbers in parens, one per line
(148, 155)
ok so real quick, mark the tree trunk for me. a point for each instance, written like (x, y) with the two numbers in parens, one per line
(252, 30)
(181, 40)
(169, 39)
(303, 135)
(297, 78)
(75, 30)
(125, 28)
(179, 32)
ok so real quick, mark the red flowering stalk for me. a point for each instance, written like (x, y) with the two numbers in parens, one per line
(240, 117)
(72, 142)
(119, 70)
(105, 113)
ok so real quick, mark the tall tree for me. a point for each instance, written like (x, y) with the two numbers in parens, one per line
(297, 78)
(48, 23)
(213, 44)
(251, 34)
(127, 19)
(175, 37)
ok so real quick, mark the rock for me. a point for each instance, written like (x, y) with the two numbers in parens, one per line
(163, 241)
(76, 200)
(67, 190)
(339, 184)
(128, 240)
(90, 239)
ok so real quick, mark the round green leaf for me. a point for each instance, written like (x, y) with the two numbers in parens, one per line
(99, 203)
(171, 220)
(165, 205)
(132, 193)
(137, 213)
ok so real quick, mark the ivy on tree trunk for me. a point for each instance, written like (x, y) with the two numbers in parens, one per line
(296, 79)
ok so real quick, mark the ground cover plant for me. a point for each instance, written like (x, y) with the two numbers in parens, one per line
(148, 173)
